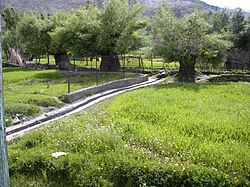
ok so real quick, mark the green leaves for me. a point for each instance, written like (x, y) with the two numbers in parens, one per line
(188, 41)
(120, 23)
(215, 48)
(179, 39)
(79, 32)
(33, 34)
(11, 17)
(115, 29)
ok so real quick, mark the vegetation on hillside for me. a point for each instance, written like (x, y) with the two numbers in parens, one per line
(166, 135)
(120, 27)
(52, 6)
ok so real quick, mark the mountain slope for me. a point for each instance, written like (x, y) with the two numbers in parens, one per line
(50, 6)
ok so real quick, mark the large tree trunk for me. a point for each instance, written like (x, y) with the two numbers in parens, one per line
(186, 72)
(62, 60)
(16, 56)
(110, 63)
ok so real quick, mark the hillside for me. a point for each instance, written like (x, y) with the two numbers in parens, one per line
(50, 6)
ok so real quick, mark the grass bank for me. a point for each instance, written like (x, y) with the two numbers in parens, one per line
(166, 135)
(27, 91)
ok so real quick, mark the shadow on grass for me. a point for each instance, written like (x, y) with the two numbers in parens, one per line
(15, 69)
(49, 75)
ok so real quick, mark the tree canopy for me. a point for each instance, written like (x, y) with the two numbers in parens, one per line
(120, 27)
(11, 18)
(187, 40)
(79, 33)
(33, 33)
(120, 24)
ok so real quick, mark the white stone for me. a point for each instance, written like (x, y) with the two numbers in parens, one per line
(58, 154)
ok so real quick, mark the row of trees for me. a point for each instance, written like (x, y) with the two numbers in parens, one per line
(120, 27)
(88, 31)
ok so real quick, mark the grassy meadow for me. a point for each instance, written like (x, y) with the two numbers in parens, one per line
(164, 135)
(26, 91)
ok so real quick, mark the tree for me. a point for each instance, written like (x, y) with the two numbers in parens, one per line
(220, 21)
(10, 37)
(32, 31)
(238, 24)
(238, 56)
(218, 35)
(57, 48)
(11, 17)
(79, 32)
(186, 40)
(215, 48)
(119, 26)
(246, 36)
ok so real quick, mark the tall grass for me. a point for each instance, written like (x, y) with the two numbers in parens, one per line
(166, 135)
(27, 91)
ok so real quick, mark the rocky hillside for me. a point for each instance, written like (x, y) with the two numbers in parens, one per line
(50, 6)
(179, 6)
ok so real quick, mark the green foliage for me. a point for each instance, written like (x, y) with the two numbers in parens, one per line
(230, 21)
(166, 135)
(91, 31)
(215, 48)
(32, 31)
(120, 25)
(241, 30)
(79, 32)
(57, 20)
(238, 21)
(179, 40)
(238, 26)
(88, 31)
(10, 38)
(220, 21)
(119, 28)
(187, 40)
(11, 18)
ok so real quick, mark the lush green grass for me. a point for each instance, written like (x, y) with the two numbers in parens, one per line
(26, 91)
(166, 135)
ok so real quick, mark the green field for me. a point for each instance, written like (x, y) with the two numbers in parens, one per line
(165, 135)
(27, 91)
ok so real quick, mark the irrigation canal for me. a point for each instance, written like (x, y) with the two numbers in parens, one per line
(15, 131)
